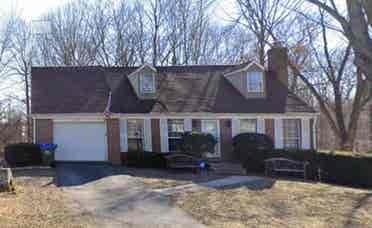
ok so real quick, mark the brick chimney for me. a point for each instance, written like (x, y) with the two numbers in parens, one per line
(278, 62)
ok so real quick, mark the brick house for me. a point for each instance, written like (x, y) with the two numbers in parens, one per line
(154, 105)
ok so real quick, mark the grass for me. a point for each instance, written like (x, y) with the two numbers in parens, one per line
(38, 203)
(284, 204)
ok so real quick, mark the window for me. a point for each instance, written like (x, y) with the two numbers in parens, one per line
(175, 131)
(147, 83)
(292, 133)
(255, 82)
(135, 135)
(248, 125)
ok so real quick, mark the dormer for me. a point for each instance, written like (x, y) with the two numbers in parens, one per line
(143, 81)
(249, 80)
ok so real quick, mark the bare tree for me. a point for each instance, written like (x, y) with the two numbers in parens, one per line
(23, 52)
(70, 40)
(357, 28)
(262, 16)
(334, 83)
(6, 28)
(10, 124)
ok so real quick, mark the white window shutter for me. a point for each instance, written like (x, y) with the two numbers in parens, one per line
(147, 135)
(261, 126)
(278, 125)
(235, 127)
(314, 134)
(187, 124)
(305, 133)
(123, 136)
(164, 135)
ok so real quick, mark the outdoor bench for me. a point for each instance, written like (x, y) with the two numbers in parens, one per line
(179, 160)
(275, 165)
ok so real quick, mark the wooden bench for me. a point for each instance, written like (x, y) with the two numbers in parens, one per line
(178, 160)
(273, 165)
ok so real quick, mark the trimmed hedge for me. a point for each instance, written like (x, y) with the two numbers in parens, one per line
(23, 154)
(245, 144)
(197, 143)
(144, 159)
(342, 169)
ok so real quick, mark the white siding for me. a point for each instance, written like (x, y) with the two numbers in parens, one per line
(164, 135)
(314, 133)
(261, 126)
(123, 136)
(278, 125)
(234, 127)
(305, 133)
(187, 124)
(147, 135)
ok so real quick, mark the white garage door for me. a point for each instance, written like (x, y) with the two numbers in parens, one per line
(80, 141)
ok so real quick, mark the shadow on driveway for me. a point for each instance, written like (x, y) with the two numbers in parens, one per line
(75, 174)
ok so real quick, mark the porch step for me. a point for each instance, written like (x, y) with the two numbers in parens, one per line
(227, 168)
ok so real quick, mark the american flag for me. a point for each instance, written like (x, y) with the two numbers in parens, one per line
(107, 113)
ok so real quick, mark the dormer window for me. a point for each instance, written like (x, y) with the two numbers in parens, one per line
(255, 82)
(147, 83)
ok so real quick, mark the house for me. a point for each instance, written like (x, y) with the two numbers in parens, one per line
(154, 105)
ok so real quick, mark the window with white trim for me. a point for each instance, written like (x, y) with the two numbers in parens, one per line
(147, 83)
(255, 82)
(176, 129)
(248, 125)
(135, 134)
(291, 133)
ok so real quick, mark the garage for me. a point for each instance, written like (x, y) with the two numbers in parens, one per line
(80, 141)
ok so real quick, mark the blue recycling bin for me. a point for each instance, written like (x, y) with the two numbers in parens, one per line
(47, 153)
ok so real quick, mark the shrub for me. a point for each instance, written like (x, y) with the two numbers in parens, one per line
(343, 169)
(197, 143)
(346, 169)
(23, 154)
(144, 159)
(246, 144)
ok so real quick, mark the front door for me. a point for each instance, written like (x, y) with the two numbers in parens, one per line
(212, 127)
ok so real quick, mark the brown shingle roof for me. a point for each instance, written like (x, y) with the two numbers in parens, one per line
(199, 88)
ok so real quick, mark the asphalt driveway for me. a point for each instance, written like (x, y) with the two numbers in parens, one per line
(117, 199)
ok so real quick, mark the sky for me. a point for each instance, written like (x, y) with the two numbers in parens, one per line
(31, 9)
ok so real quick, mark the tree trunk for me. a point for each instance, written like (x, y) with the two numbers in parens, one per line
(346, 143)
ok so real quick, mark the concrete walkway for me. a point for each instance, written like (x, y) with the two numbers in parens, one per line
(227, 182)
(119, 200)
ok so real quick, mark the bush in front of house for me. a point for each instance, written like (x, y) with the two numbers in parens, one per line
(145, 159)
(23, 154)
(197, 144)
(246, 144)
(342, 169)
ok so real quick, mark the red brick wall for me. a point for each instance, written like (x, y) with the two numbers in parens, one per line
(226, 140)
(155, 134)
(113, 141)
(196, 125)
(44, 131)
(270, 128)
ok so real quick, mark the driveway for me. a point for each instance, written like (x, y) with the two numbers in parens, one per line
(117, 199)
